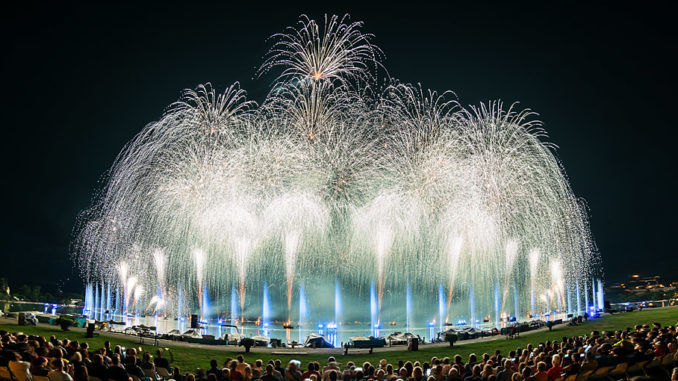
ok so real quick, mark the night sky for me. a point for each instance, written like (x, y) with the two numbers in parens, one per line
(81, 81)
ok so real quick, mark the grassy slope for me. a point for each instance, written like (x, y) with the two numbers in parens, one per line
(190, 358)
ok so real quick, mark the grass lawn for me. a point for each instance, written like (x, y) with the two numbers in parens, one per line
(189, 359)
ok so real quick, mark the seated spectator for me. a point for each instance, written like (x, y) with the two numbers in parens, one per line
(292, 373)
(214, 369)
(269, 376)
(160, 361)
(57, 355)
(97, 368)
(39, 367)
(541, 375)
(234, 375)
(132, 365)
(20, 369)
(176, 374)
(116, 371)
(453, 375)
(555, 372)
(80, 373)
(147, 364)
(58, 373)
(76, 359)
(475, 373)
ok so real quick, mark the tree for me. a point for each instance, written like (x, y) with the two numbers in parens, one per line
(35, 294)
(451, 338)
(247, 343)
(4, 288)
(64, 323)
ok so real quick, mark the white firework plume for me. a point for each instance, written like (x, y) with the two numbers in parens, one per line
(334, 177)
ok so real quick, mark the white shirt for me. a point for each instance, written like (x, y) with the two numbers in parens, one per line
(59, 375)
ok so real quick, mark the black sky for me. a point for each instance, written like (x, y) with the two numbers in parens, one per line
(80, 81)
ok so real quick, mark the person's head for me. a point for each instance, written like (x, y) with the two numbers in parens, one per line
(541, 366)
(98, 359)
(211, 377)
(417, 372)
(41, 362)
(190, 377)
(453, 372)
(331, 359)
(292, 366)
(159, 353)
(555, 360)
(213, 363)
(476, 370)
(259, 363)
(58, 364)
(527, 372)
(77, 357)
(472, 358)
(241, 359)
(333, 375)
(269, 369)
(457, 359)
(233, 365)
(402, 372)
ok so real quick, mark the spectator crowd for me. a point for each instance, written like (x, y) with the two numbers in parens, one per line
(642, 352)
